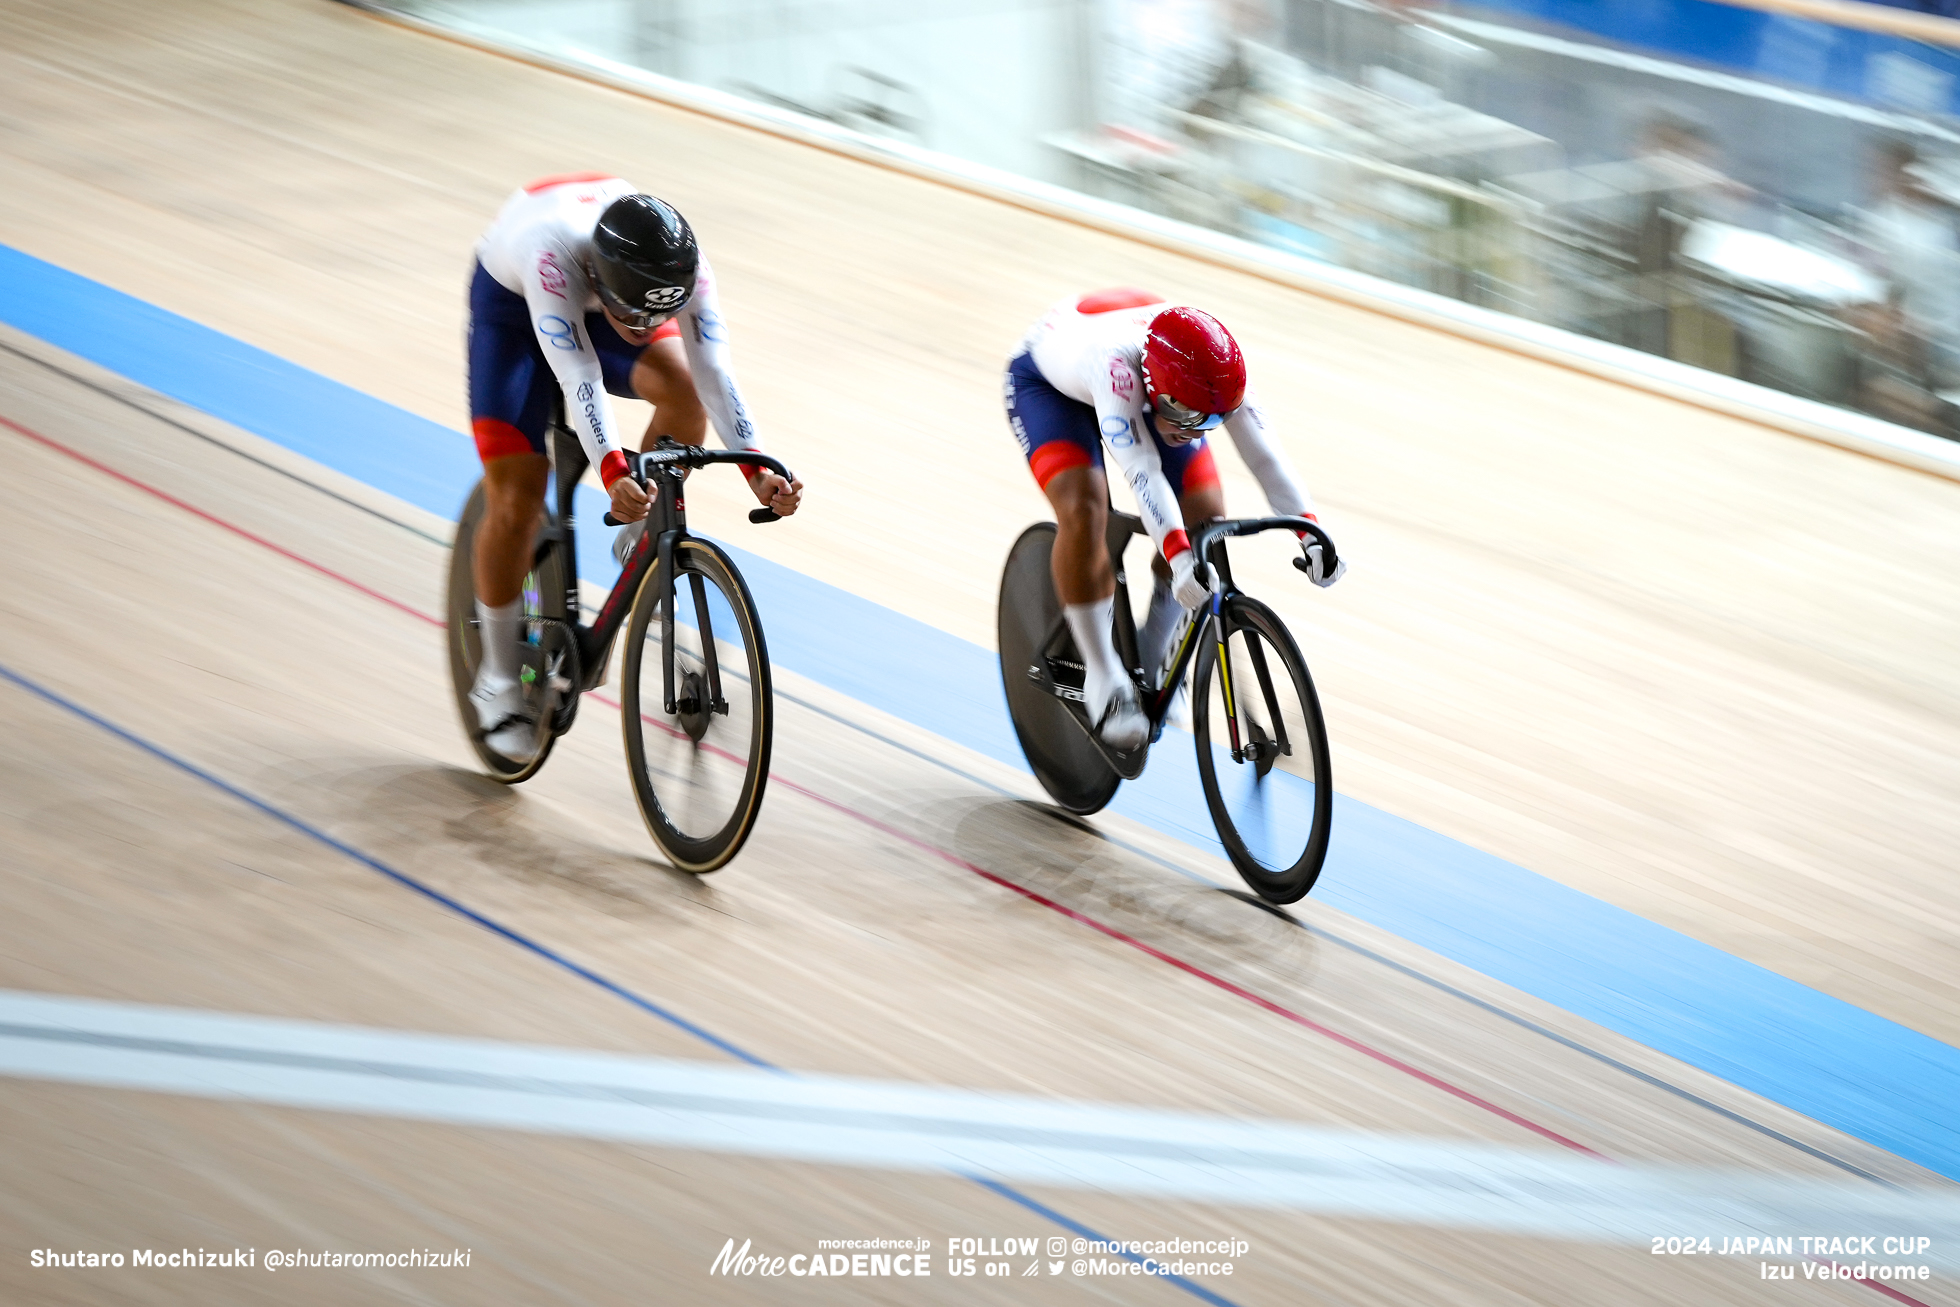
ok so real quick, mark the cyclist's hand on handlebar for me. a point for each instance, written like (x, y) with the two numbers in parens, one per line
(1316, 565)
(1184, 580)
(776, 494)
(629, 500)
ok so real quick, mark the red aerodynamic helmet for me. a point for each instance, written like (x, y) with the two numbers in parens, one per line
(1193, 369)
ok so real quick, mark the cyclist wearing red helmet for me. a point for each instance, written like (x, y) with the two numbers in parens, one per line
(1125, 369)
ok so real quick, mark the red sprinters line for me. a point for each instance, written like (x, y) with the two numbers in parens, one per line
(195, 511)
(1346, 1041)
(1239, 991)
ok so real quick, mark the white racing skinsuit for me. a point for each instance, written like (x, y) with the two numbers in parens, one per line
(1095, 359)
(1075, 388)
(538, 249)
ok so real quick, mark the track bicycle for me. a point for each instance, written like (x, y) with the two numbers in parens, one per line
(1261, 741)
(696, 706)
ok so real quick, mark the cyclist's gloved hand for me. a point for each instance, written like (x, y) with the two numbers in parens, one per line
(629, 499)
(1184, 580)
(1316, 568)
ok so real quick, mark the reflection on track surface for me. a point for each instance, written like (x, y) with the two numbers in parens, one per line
(838, 945)
(1747, 749)
(1766, 1032)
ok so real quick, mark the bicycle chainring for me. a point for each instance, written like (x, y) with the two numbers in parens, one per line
(561, 674)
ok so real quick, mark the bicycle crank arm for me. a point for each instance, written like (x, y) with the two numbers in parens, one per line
(1045, 678)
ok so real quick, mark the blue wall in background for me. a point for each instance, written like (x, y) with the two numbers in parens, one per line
(1778, 47)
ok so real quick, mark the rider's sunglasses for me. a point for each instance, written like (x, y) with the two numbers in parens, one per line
(1184, 418)
(626, 315)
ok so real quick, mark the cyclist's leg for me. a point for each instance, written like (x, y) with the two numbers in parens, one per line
(513, 496)
(1064, 451)
(1079, 497)
(657, 373)
(1059, 438)
(662, 378)
(511, 388)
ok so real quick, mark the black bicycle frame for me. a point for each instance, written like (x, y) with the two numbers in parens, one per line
(1210, 548)
(1208, 542)
(662, 471)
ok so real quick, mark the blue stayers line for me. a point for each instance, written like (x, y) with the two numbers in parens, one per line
(373, 864)
(1195, 1289)
(522, 941)
(1853, 1070)
(375, 442)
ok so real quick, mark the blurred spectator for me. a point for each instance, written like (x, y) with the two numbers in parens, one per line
(1910, 241)
(1681, 184)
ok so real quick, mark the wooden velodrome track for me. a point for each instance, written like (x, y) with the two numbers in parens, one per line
(1704, 671)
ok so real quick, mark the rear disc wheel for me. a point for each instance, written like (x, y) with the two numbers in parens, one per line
(545, 650)
(1063, 758)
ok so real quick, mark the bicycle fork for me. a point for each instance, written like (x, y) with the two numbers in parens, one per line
(702, 695)
(1261, 750)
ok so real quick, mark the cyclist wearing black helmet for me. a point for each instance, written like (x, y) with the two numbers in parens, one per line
(585, 286)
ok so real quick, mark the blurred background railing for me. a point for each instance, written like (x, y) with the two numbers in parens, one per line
(1767, 190)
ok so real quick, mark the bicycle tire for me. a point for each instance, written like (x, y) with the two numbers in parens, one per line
(644, 721)
(544, 597)
(1064, 759)
(1300, 796)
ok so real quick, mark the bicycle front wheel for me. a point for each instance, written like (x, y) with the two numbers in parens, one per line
(1262, 752)
(698, 768)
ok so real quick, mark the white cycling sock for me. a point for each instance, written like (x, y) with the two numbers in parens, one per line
(1154, 640)
(1102, 674)
(500, 629)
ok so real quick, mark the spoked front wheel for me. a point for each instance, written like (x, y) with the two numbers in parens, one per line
(698, 770)
(1262, 752)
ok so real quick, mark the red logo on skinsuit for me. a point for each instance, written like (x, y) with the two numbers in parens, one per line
(1122, 380)
(551, 274)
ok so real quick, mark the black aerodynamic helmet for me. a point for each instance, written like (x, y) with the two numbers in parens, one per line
(645, 257)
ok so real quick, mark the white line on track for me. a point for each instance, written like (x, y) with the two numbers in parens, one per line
(866, 1123)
